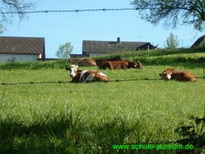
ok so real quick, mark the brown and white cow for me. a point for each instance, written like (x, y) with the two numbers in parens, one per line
(121, 64)
(84, 76)
(172, 74)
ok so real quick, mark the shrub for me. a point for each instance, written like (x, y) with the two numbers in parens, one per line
(193, 134)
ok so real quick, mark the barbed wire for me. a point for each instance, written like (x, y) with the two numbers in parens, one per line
(72, 11)
(66, 82)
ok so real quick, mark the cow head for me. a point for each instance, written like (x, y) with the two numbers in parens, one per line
(73, 70)
(167, 74)
(135, 64)
(139, 65)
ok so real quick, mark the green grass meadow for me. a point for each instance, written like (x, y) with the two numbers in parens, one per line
(47, 114)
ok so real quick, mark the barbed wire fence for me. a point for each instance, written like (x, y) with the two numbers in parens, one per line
(7, 83)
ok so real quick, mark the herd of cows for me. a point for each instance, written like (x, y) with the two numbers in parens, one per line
(84, 76)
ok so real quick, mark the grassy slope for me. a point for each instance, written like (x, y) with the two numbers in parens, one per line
(54, 116)
(167, 57)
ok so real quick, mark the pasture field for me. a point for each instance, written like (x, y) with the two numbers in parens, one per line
(60, 117)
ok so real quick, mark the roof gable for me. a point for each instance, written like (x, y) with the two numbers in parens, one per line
(199, 42)
(22, 45)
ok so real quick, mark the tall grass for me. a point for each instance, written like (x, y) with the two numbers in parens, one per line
(89, 118)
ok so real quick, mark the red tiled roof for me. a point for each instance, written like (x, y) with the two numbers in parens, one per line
(22, 45)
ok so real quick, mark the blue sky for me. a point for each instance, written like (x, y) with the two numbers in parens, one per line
(59, 28)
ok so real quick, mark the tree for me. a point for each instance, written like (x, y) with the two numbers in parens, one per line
(172, 41)
(190, 12)
(64, 50)
(10, 8)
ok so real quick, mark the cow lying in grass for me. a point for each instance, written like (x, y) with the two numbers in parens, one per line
(121, 64)
(80, 76)
(99, 62)
(86, 62)
(82, 61)
(172, 74)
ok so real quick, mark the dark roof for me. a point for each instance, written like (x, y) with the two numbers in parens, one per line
(90, 46)
(22, 45)
(78, 55)
(199, 42)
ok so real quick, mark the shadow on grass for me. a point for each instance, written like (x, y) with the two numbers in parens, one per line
(69, 134)
(42, 135)
(65, 134)
(193, 134)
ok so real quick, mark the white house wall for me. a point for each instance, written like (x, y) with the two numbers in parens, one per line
(17, 57)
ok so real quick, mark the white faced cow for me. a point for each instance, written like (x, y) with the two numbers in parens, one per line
(172, 74)
(80, 76)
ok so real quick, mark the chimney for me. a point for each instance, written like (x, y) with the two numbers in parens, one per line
(118, 40)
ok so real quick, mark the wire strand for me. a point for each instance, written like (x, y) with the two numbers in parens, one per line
(66, 82)
(72, 11)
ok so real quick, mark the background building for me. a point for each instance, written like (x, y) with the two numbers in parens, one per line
(99, 48)
(21, 48)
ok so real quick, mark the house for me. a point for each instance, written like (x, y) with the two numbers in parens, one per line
(99, 48)
(199, 42)
(21, 48)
